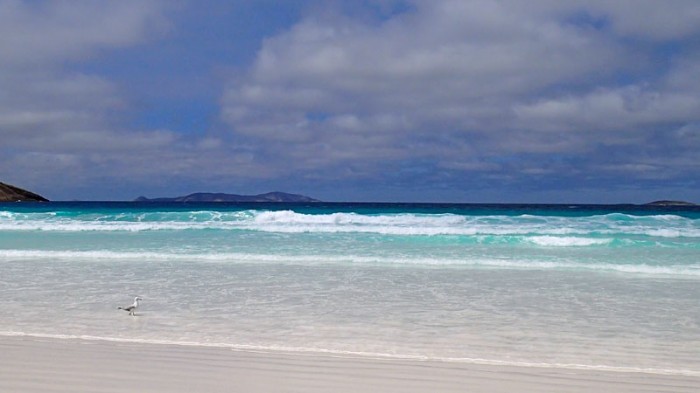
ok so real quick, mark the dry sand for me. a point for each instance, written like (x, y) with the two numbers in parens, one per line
(30, 364)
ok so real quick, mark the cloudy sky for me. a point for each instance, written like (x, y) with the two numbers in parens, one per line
(357, 100)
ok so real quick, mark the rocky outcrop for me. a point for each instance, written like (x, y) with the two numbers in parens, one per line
(9, 193)
(221, 197)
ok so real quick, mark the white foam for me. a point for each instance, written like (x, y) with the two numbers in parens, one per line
(407, 224)
(110, 226)
(555, 241)
(687, 271)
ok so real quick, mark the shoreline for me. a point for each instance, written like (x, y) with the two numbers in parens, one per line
(40, 364)
(293, 351)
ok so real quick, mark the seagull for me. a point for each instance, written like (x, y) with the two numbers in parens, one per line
(131, 309)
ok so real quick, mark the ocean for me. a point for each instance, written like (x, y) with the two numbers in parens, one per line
(569, 286)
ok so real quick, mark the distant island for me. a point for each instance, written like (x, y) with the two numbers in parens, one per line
(221, 197)
(10, 193)
(670, 203)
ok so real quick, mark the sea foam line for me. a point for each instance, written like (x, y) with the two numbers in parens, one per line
(360, 354)
(567, 241)
(686, 271)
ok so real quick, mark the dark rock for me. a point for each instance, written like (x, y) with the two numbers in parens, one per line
(9, 193)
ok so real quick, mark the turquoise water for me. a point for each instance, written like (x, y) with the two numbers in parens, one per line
(606, 287)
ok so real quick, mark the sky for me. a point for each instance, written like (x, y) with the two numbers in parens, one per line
(506, 101)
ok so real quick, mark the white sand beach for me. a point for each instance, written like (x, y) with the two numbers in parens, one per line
(30, 364)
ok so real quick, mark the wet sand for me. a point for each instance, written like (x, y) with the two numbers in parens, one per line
(30, 364)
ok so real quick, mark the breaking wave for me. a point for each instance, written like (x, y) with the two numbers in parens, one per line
(546, 230)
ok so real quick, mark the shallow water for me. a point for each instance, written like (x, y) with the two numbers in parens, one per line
(584, 286)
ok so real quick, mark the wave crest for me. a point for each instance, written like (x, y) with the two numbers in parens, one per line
(409, 224)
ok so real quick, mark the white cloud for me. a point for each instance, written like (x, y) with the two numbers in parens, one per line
(621, 110)
(653, 20)
(56, 121)
(494, 78)
(37, 33)
(445, 88)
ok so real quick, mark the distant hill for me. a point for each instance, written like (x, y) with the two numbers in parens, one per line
(9, 193)
(670, 203)
(221, 197)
